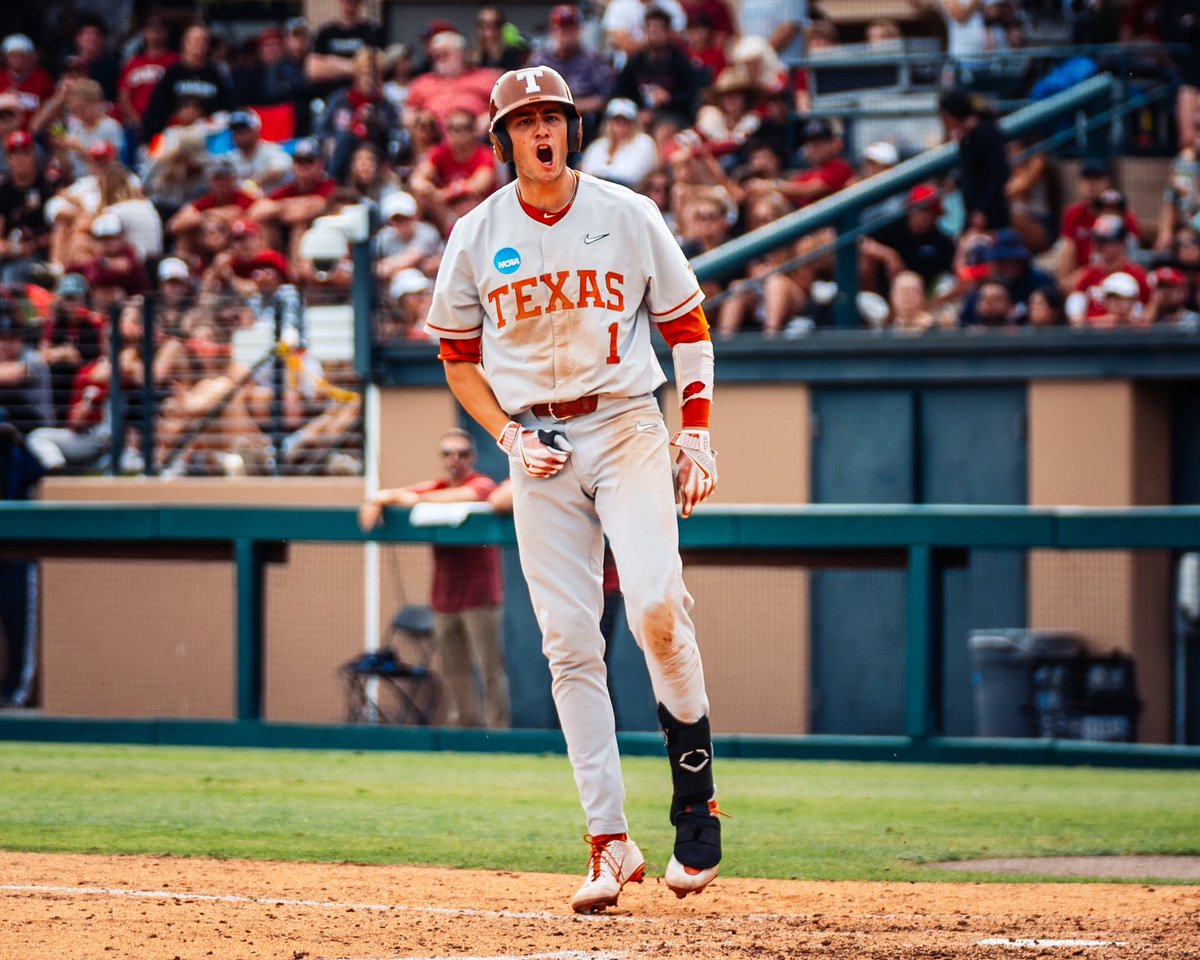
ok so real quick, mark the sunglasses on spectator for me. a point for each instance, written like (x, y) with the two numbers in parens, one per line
(454, 452)
(487, 21)
(459, 127)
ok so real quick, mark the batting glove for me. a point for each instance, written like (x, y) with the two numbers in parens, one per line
(526, 449)
(695, 469)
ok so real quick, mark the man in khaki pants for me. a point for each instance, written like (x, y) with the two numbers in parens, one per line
(467, 594)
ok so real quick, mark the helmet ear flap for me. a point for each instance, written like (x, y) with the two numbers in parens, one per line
(501, 143)
(575, 134)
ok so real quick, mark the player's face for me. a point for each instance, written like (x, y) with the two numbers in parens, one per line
(539, 139)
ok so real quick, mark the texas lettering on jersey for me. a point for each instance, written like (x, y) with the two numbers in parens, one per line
(546, 293)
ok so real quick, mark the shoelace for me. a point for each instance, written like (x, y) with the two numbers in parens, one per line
(600, 853)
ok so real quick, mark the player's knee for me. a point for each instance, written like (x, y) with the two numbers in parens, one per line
(658, 630)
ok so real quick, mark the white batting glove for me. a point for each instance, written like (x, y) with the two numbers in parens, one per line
(525, 448)
(695, 469)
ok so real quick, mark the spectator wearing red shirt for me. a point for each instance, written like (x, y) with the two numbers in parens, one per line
(1094, 180)
(302, 199)
(142, 73)
(32, 84)
(224, 199)
(451, 84)
(466, 595)
(459, 164)
(705, 50)
(1111, 256)
(827, 173)
(116, 264)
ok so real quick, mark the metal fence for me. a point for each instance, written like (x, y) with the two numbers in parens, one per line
(208, 385)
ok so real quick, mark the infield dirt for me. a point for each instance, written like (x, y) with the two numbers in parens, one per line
(55, 907)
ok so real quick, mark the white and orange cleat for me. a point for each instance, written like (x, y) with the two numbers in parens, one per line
(615, 860)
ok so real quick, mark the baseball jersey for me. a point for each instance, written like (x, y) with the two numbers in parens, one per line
(563, 310)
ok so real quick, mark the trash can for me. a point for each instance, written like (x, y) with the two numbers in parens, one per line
(1001, 660)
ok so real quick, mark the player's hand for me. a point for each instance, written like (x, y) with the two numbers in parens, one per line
(526, 449)
(695, 469)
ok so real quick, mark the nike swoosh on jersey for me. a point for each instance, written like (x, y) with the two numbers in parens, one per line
(642, 427)
(590, 239)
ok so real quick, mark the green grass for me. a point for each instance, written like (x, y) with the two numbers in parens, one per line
(790, 819)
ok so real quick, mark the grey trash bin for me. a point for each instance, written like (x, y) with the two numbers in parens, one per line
(1000, 667)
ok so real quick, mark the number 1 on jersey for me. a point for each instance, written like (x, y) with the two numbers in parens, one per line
(613, 356)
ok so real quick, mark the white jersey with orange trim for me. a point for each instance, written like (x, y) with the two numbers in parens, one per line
(565, 307)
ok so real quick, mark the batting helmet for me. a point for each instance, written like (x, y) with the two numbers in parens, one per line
(517, 88)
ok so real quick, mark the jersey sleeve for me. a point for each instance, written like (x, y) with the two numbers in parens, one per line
(456, 313)
(672, 290)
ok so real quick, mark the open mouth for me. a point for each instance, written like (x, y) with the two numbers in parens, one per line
(544, 154)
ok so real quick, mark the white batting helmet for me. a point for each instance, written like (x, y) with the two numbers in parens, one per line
(524, 86)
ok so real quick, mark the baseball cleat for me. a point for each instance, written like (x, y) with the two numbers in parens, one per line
(684, 880)
(615, 860)
(693, 865)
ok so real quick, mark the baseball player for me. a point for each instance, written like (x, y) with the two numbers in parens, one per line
(543, 307)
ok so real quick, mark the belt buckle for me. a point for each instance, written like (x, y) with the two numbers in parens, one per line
(554, 416)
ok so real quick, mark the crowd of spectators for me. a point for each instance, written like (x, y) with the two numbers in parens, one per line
(160, 163)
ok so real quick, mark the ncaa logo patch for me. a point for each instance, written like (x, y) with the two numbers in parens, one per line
(508, 260)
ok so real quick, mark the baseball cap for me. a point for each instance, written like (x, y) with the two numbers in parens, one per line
(1008, 245)
(17, 43)
(1109, 227)
(411, 280)
(621, 107)
(271, 33)
(107, 225)
(1093, 167)
(295, 25)
(273, 260)
(565, 14)
(956, 103)
(101, 151)
(306, 149)
(221, 166)
(172, 268)
(73, 286)
(818, 128)
(398, 204)
(244, 120)
(18, 140)
(1112, 198)
(1120, 284)
(434, 27)
(883, 152)
(1169, 277)
(925, 194)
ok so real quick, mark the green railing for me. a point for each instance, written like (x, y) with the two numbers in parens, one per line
(924, 539)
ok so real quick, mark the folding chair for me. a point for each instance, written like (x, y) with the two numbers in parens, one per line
(384, 687)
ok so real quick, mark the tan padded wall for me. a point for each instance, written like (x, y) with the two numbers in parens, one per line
(1105, 444)
(137, 639)
(411, 421)
(752, 622)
